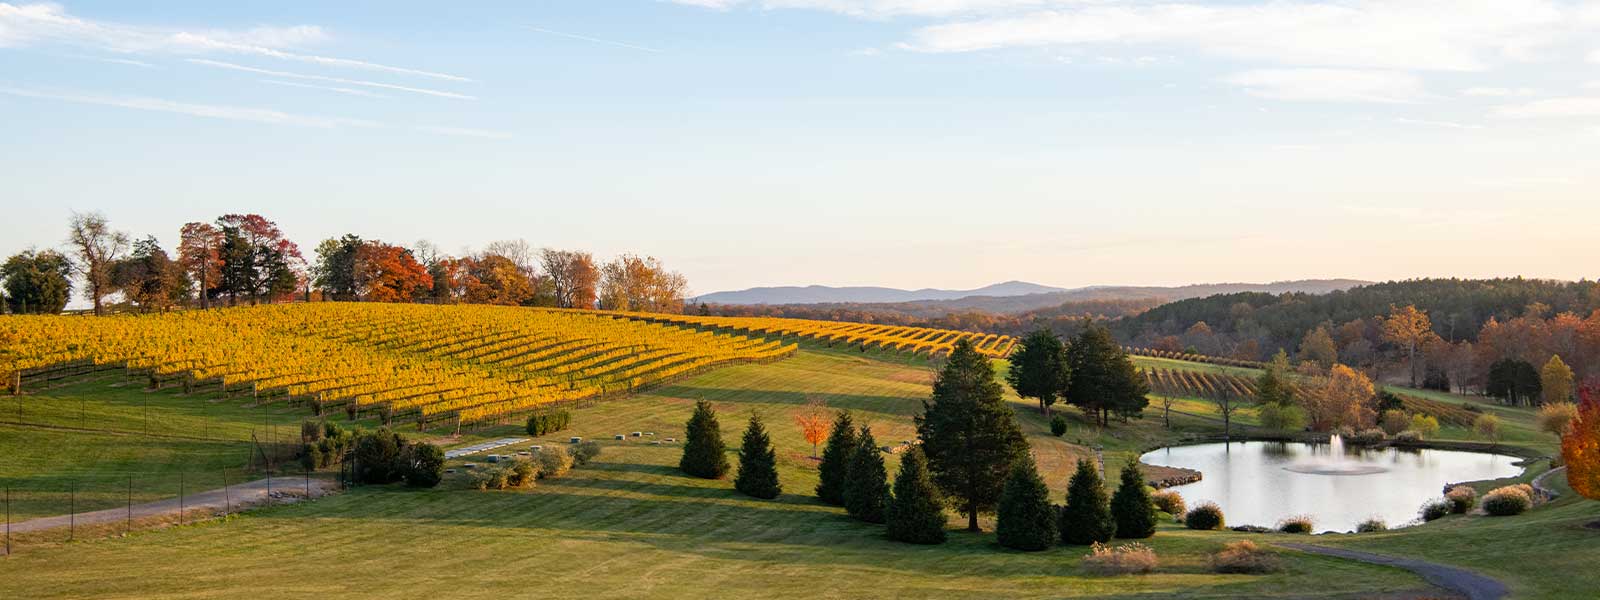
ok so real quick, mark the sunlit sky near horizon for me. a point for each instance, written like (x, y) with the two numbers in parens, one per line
(906, 143)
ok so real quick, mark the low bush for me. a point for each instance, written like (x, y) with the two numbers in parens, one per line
(1434, 510)
(1245, 557)
(554, 462)
(521, 473)
(585, 452)
(1251, 529)
(1462, 499)
(1426, 426)
(1285, 418)
(1508, 501)
(1296, 524)
(490, 478)
(1058, 425)
(1124, 559)
(1372, 525)
(1394, 421)
(1344, 431)
(1169, 502)
(1367, 437)
(1205, 517)
(1409, 436)
(424, 465)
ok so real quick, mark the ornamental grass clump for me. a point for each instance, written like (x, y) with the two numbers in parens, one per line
(1508, 501)
(1301, 524)
(1244, 557)
(1462, 499)
(1372, 525)
(1123, 559)
(1205, 517)
(1435, 509)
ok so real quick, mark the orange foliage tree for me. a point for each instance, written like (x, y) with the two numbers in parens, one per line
(814, 423)
(389, 273)
(1580, 448)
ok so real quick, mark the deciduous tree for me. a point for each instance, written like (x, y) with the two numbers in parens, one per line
(1409, 329)
(98, 248)
(813, 422)
(1556, 381)
(200, 253)
(573, 275)
(148, 278)
(1580, 448)
(1343, 397)
(1318, 347)
(969, 434)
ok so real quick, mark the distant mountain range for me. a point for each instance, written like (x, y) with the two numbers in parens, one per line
(1008, 297)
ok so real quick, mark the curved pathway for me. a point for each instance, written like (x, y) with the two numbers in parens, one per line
(1538, 483)
(207, 503)
(1468, 583)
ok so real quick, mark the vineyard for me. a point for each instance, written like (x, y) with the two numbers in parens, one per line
(865, 336)
(433, 364)
(1191, 357)
(1181, 383)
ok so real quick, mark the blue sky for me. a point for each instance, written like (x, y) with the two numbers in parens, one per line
(911, 143)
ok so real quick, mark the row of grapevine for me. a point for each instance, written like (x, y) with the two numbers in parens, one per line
(1199, 358)
(892, 338)
(1459, 415)
(1199, 384)
(457, 364)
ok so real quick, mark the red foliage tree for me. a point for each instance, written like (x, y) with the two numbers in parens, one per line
(390, 273)
(1580, 448)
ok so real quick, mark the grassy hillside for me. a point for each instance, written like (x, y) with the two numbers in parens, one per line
(631, 525)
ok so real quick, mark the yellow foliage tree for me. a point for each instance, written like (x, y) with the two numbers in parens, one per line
(1408, 328)
(1557, 380)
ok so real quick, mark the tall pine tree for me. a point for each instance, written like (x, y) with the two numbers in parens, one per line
(915, 514)
(1086, 519)
(1039, 368)
(970, 435)
(758, 464)
(1101, 379)
(866, 481)
(703, 452)
(1131, 506)
(1025, 519)
(836, 460)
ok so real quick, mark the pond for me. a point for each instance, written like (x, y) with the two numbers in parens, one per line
(1259, 483)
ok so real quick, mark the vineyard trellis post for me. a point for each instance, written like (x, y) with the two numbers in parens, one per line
(8, 520)
(127, 527)
(180, 498)
(72, 511)
(227, 499)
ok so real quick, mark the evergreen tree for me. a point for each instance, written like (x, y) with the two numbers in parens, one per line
(758, 464)
(1101, 380)
(1026, 520)
(703, 452)
(1039, 368)
(1272, 387)
(1131, 506)
(836, 460)
(866, 481)
(969, 434)
(1086, 519)
(915, 514)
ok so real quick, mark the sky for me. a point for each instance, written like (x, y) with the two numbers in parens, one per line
(906, 143)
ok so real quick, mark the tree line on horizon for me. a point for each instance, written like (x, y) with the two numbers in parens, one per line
(247, 259)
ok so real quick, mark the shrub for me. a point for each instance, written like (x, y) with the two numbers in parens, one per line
(1296, 524)
(548, 422)
(1244, 556)
(1286, 418)
(1507, 501)
(1426, 426)
(377, 456)
(1462, 499)
(585, 452)
(491, 478)
(1205, 517)
(1434, 510)
(1131, 506)
(1367, 437)
(1487, 427)
(311, 457)
(1394, 421)
(1372, 525)
(1058, 425)
(1409, 436)
(554, 462)
(1124, 559)
(424, 465)
(1344, 431)
(521, 473)
(1556, 418)
(311, 432)
(1170, 502)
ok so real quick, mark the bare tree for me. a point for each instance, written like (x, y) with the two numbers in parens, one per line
(97, 247)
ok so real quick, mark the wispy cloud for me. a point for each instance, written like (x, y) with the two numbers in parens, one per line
(1433, 123)
(1578, 106)
(591, 39)
(465, 132)
(116, 61)
(349, 91)
(1499, 92)
(339, 80)
(212, 111)
(37, 24)
(1330, 85)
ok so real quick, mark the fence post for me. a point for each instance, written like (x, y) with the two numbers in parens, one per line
(128, 525)
(8, 520)
(72, 512)
(308, 483)
(180, 498)
(227, 501)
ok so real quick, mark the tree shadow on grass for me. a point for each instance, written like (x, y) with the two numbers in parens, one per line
(872, 402)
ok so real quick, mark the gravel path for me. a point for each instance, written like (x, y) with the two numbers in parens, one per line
(206, 503)
(1468, 583)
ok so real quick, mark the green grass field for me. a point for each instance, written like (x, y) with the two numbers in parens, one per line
(630, 524)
